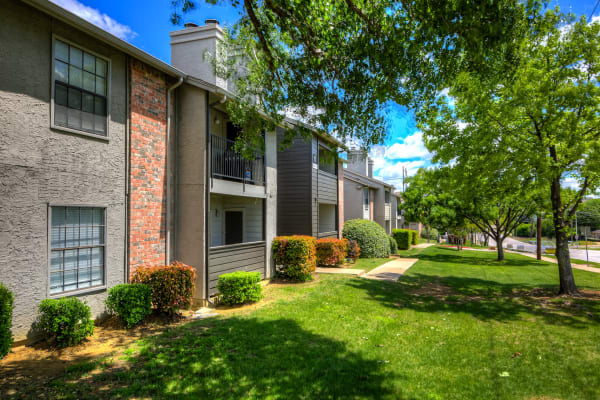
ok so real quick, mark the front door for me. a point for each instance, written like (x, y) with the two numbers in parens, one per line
(234, 227)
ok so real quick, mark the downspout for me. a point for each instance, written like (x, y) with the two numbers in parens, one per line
(169, 170)
(207, 166)
(127, 162)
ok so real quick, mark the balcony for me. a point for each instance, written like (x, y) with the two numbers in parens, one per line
(227, 164)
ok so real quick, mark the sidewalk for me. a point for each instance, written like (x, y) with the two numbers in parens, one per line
(392, 270)
(554, 261)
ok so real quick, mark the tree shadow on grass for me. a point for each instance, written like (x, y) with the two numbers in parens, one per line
(473, 257)
(484, 299)
(237, 358)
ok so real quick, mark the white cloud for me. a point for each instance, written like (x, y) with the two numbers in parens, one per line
(97, 18)
(571, 182)
(411, 147)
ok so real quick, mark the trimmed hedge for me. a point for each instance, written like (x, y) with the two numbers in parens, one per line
(331, 251)
(353, 250)
(393, 245)
(240, 287)
(414, 236)
(371, 237)
(132, 302)
(403, 238)
(172, 285)
(68, 320)
(295, 256)
(6, 307)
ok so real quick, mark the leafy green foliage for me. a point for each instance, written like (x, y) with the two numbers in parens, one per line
(172, 285)
(295, 256)
(338, 64)
(414, 236)
(6, 308)
(240, 287)
(331, 251)
(403, 238)
(67, 320)
(530, 126)
(525, 230)
(369, 235)
(132, 302)
(393, 245)
(590, 214)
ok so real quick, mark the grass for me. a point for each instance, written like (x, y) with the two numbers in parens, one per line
(369, 263)
(458, 325)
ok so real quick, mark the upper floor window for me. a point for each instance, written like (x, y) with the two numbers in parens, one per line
(387, 197)
(327, 161)
(80, 85)
(366, 198)
(77, 243)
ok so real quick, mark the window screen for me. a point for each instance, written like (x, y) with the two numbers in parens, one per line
(80, 87)
(77, 241)
(327, 161)
(366, 198)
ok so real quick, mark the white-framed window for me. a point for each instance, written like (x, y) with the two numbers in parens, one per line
(80, 88)
(366, 198)
(77, 248)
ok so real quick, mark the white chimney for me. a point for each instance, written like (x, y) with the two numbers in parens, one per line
(371, 164)
(193, 49)
(357, 162)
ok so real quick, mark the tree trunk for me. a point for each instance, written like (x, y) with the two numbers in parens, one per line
(565, 272)
(486, 240)
(500, 249)
(539, 237)
(427, 233)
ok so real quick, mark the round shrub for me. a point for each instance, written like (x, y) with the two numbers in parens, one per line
(240, 287)
(6, 307)
(132, 302)
(353, 250)
(172, 286)
(67, 320)
(371, 237)
(295, 256)
(393, 245)
(331, 251)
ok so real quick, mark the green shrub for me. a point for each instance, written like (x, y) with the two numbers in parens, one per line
(403, 238)
(132, 302)
(67, 320)
(393, 245)
(371, 237)
(353, 250)
(331, 251)
(6, 308)
(240, 287)
(433, 233)
(414, 235)
(172, 286)
(524, 230)
(295, 256)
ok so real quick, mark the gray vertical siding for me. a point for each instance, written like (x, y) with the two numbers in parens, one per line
(41, 166)
(238, 257)
(294, 185)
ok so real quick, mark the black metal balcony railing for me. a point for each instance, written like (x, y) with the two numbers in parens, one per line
(228, 164)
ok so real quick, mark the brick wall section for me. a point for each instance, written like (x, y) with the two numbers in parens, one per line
(147, 209)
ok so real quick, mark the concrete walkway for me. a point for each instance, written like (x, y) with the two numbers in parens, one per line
(554, 261)
(424, 245)
(392, 270)
(344, 271)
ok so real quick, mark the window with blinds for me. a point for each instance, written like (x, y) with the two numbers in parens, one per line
(77, 248)
(80, 89)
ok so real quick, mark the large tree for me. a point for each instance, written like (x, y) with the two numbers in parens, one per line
(542, 117)
(338, 64)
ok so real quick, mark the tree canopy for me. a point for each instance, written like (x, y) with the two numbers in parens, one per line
(338, 64)
(538, 121)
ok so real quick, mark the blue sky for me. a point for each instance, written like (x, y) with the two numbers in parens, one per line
(147, 26)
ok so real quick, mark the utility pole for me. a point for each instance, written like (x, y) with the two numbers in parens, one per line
(539, 236)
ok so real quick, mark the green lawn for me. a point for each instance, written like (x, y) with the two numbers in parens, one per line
(456, 326)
